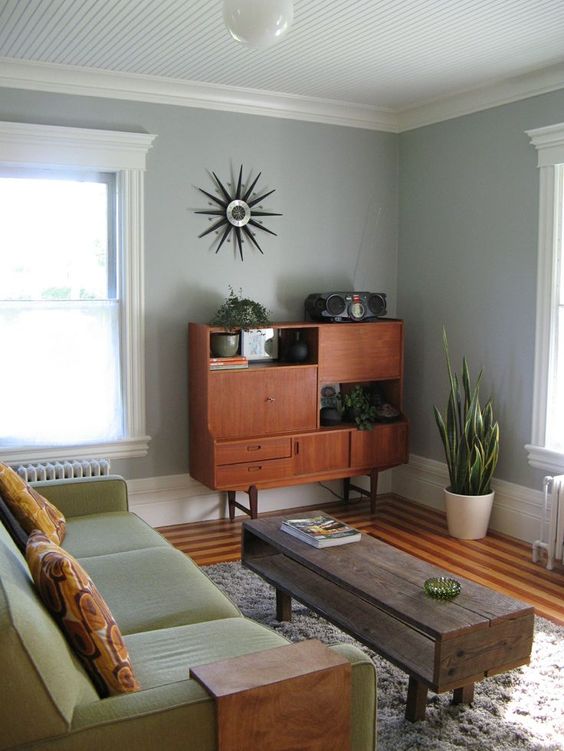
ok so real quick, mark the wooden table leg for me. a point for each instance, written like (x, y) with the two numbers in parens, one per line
(463, 695)
(283, 606)
(346, 489)
(416, 700)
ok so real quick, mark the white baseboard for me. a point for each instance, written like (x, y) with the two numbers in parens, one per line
(177, 499)
(517, 510)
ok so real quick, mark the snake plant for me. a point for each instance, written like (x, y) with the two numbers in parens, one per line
(469, 433)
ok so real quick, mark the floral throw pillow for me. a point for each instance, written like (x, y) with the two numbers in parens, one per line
(82, 614)
(31, 509)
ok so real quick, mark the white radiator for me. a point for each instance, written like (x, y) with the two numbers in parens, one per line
(553, 488)
(65, 469)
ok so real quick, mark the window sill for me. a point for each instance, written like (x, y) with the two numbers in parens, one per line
(543, 458)
(127, 448)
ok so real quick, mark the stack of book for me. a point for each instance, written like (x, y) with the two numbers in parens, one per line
(321, 531)
(228, 363)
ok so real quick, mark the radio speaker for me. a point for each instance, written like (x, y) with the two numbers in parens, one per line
(345, 306)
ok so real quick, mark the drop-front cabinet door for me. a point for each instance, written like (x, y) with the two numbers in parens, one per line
(360, 352)
(264, 401)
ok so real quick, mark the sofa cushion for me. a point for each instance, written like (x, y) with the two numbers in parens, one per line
(70, 595)
(31, 509)
(111, 532)
(156, 588)
(166, 655)
(12, 525)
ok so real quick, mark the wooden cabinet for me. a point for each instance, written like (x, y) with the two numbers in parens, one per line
(259, 427)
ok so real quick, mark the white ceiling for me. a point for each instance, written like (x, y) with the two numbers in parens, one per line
(392, 55)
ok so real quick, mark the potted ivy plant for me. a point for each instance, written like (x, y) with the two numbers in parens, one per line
(235, 314)
(470, 436)
(360, 407)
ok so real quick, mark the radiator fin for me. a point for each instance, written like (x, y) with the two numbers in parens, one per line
(554, 519)
(64, 469)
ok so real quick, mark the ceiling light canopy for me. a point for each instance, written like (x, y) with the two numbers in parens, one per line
(258, 23)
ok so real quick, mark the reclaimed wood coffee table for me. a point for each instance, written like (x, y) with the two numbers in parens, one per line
(374, 592)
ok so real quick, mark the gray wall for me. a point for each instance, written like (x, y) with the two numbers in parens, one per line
(468, 260)
(337, 189)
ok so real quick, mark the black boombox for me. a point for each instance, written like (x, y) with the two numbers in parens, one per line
(345, 306)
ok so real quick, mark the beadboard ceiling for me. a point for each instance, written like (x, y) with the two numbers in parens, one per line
(385, 56)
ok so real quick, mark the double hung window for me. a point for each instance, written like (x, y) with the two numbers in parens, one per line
(71, 292)
(546, 450)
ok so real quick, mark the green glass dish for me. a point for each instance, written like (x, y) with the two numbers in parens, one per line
(442, 587)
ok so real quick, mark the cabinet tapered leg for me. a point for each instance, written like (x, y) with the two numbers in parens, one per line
(373, 490)
(253, 501)
(231, 502)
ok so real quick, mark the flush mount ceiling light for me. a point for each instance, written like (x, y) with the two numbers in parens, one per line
(258, 23)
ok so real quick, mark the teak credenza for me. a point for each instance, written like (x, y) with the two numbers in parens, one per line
(260, 428)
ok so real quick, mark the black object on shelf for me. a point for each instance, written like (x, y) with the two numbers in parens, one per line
(298, 350)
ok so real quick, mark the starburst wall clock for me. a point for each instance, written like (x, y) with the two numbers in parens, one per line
(237, 214)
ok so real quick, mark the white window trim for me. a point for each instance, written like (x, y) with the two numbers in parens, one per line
(28, 145)
(549, 143)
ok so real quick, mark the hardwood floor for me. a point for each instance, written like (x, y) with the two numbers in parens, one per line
(499, 562)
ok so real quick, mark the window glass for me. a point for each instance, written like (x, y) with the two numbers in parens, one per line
(59, 310)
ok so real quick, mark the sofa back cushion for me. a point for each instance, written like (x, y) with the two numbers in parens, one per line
(41, 680)
(15, 529)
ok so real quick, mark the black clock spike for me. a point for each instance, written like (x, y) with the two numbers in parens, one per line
(260, 226)
(250, 189)
(260, 198)
(224, 237)
(215, 199)
(238, 194)
(215, 226)
(238, 237)
(251, 237)
(223, 190)
(266, 213)
(215, 212)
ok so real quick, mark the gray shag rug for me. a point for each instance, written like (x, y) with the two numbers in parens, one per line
(522, 709)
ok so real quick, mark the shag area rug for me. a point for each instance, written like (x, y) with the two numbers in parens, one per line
(522, 709)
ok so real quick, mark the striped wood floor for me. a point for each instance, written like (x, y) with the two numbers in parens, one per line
(499, 562)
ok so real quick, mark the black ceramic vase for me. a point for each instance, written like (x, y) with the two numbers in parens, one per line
(298, 350)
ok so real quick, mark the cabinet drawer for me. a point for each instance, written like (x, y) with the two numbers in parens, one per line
(232, 475)
(236, 452)
(383, 446)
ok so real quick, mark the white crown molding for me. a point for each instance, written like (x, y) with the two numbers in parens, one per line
(485, 97)
(67, 79)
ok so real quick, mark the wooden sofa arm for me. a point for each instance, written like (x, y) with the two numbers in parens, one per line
(86, 495)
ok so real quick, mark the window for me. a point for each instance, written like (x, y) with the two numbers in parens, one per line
(546, 450)
(71, 292)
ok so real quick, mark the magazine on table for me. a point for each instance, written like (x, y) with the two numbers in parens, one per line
(321, 531)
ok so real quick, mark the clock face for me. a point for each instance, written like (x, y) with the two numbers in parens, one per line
(236, 213)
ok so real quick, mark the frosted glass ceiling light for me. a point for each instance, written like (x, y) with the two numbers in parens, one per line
(258, 23)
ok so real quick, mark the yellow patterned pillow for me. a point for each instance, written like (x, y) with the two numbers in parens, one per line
(31, 509)
(82, 614)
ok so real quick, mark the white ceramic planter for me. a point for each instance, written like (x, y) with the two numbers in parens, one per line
(468, 516)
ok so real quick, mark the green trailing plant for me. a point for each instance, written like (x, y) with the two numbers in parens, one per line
(238, 312)
(359, 405)
(469, 433)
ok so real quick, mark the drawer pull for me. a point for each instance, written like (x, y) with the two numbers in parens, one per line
(257, 447)
(255, 469)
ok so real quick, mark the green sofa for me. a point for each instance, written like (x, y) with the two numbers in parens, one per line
(172, 617)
